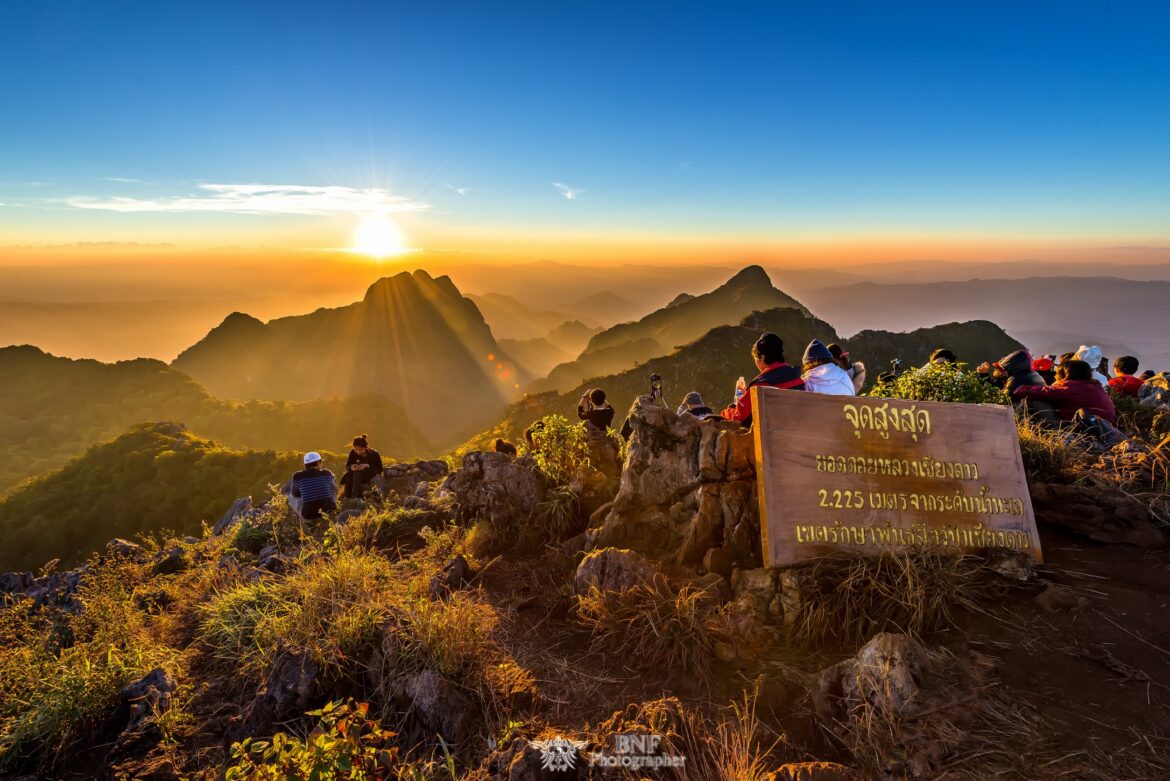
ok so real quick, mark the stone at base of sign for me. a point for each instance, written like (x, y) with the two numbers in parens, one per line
(868, 475)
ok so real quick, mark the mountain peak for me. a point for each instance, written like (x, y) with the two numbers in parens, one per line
(749, 275)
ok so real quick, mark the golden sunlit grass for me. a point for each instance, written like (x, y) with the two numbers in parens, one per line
(379, 237)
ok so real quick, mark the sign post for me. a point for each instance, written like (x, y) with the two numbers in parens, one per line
(868, 475)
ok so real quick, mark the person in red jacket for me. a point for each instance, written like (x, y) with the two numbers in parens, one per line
(1077, 390)
(1124, 382)
(768, 353)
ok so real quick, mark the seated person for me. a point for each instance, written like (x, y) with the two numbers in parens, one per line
(595, 410)
(505, 447)
(362, 466)
(1092, 356)
(1045, 366)
(313, 489)
(1018, 371)
(943, 355)
(856, 369)
(1077, 390)
(693, 404)
(1125, 383)
(822, 373)
(768, 354)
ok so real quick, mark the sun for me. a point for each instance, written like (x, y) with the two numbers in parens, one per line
(379, 237)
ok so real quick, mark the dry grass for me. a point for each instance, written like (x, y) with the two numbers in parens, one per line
(656, 628)
(1050, 455)
(848, 599)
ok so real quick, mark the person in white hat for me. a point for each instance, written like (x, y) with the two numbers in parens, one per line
(314, 489)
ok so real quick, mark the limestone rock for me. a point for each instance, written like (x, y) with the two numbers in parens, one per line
(120, 548)
(495, 488)
(15, 582)
(135, 717)
(1097, 514)
(613, 569)
(687, 488)
(439, 705)
(171, 561)
(1058, 599)
(885, 676)
(404, 478)
(453, 576)
(291, 689)
(239, 509)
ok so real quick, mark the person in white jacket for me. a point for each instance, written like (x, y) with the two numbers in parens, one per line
(1092, 356)
(822, 374)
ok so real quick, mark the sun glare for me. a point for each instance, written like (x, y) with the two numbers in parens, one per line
(379, 237)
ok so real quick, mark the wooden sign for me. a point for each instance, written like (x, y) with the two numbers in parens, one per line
(847, 473)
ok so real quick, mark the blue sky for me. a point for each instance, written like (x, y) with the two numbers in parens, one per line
(781, 119)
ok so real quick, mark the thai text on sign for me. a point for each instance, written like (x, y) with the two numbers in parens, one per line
(872, 475)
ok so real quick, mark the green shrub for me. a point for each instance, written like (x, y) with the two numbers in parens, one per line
(345, 744)
(61, 672)
(941, 382)
(561, 449)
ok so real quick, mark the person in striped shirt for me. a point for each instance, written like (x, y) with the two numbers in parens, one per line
(314, 489)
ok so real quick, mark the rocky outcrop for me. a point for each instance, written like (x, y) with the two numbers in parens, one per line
(687, 493)
(136, 716)
(291, 689)
(494, 488)
(895, 683)
(1088, 511)
(239, 509)
(454, 575)
(613, 569)
(404, 479)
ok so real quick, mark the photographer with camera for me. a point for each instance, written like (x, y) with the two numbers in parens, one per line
(595, 410)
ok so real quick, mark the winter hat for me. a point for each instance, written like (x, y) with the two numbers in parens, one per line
(693, 398)
(817, 352)
(1044, 364)
(1090, 355)
(312, 458)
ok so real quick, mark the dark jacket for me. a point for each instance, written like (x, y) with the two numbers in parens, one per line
(601, 417)
(1072, 395)
(355, 482)
(777, 375)
(700, 412)
(1018, 368)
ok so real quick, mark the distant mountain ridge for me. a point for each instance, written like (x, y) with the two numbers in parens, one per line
(53, 409)
(414, 339)
(683, 320)
(712, 363)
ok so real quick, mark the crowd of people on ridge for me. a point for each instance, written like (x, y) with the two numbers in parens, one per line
(1075, 389)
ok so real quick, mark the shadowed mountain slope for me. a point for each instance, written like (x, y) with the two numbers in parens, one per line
(685, 319)
(52, 409)
(712, 363)
(413, 339)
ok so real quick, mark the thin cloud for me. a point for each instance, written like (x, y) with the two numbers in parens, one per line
(123, 180)
(685, 165)
(569, 192)
(462, 190)
(272, 199)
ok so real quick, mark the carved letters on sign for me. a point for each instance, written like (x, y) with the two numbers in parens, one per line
(871, 475)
